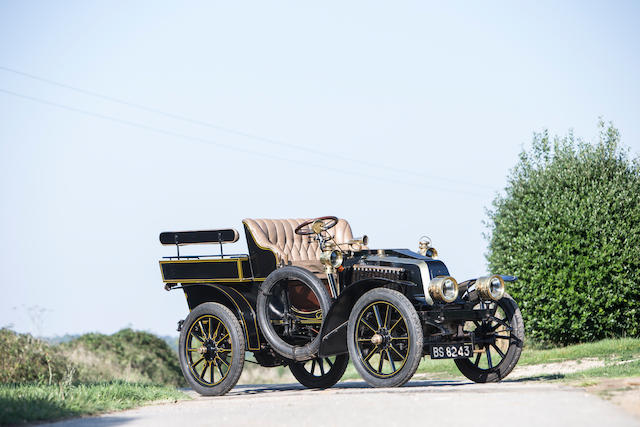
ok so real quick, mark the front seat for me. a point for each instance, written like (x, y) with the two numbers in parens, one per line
(289, 248)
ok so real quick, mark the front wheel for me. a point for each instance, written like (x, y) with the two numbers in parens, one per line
(211, 349)
(322, 372)
(384, 337)
(498, 342)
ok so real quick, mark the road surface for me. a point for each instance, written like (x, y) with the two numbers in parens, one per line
(419, 403)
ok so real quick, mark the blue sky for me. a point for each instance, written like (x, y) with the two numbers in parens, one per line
(403, 117)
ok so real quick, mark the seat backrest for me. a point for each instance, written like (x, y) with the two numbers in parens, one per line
(279, 236)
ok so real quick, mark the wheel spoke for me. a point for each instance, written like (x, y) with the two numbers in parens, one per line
(395, 324)
(397, 352)
(202, 334)
(321, 363)
(489, 357)
(381, 362)
(393, 365)
(313, 367)
(376, 311)
(477, 359)
(502, 337)
(498, 350)
(220, 368)
(220, 359)
(329, 363)
(493, 307)
(193, 365)
(220, 340)
(501, 323)
(215, 334)
(209, 328)
(386, 316)
(368, 325)
(371, 353)
(206, 365)
(400, 338)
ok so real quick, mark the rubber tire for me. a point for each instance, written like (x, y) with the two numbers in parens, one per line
(506, 365)
(325, 381)
(237, 341)
(296, 353)
(415, 330)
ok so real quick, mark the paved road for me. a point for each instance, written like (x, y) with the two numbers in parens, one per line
(433, 403)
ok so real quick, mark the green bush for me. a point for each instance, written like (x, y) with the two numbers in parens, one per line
(568, 226)
(24, 358)
(127, 355)
(130, 355)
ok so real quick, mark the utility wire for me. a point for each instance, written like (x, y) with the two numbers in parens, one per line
(237, 132)
(222, 145)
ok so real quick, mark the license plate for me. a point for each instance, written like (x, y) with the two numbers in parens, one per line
(451, 351)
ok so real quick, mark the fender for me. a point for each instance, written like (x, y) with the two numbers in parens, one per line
(334, 325)
(199, 293)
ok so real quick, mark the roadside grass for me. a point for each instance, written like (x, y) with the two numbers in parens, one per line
(619, 370)
(21, 403)
(89, 374)
(607, 349)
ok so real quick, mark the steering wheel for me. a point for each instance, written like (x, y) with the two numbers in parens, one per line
(318, 225)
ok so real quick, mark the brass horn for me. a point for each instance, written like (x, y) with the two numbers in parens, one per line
(358, 242)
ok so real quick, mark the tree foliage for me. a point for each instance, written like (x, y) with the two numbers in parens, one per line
(568, 225)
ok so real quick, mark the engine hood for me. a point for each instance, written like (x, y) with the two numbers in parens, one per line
(420, 269)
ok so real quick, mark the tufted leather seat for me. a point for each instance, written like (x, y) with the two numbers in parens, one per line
(278, 235)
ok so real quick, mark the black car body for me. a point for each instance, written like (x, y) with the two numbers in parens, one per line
(309, 295)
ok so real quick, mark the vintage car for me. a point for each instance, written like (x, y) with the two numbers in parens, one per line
(310, 296)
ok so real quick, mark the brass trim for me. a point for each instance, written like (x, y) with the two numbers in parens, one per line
(246, 331)
(255, 321)
(240, 279)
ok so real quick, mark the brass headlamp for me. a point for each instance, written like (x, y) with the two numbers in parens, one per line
(490, 287)
(331, 258)
(443, 289)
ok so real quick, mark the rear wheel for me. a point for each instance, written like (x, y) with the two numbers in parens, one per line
(384, 337)
(211, 349)
(322, 372)
(498, 342)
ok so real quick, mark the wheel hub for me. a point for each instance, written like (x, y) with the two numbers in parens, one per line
(376, 339)
(381, 338)
(209, 350)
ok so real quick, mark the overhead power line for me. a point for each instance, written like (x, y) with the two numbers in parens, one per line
(240, 133)
(223, 145)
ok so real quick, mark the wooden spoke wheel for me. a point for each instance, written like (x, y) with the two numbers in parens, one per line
(211, 349)
(322, 372)
(498, 342)
(384, 337)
